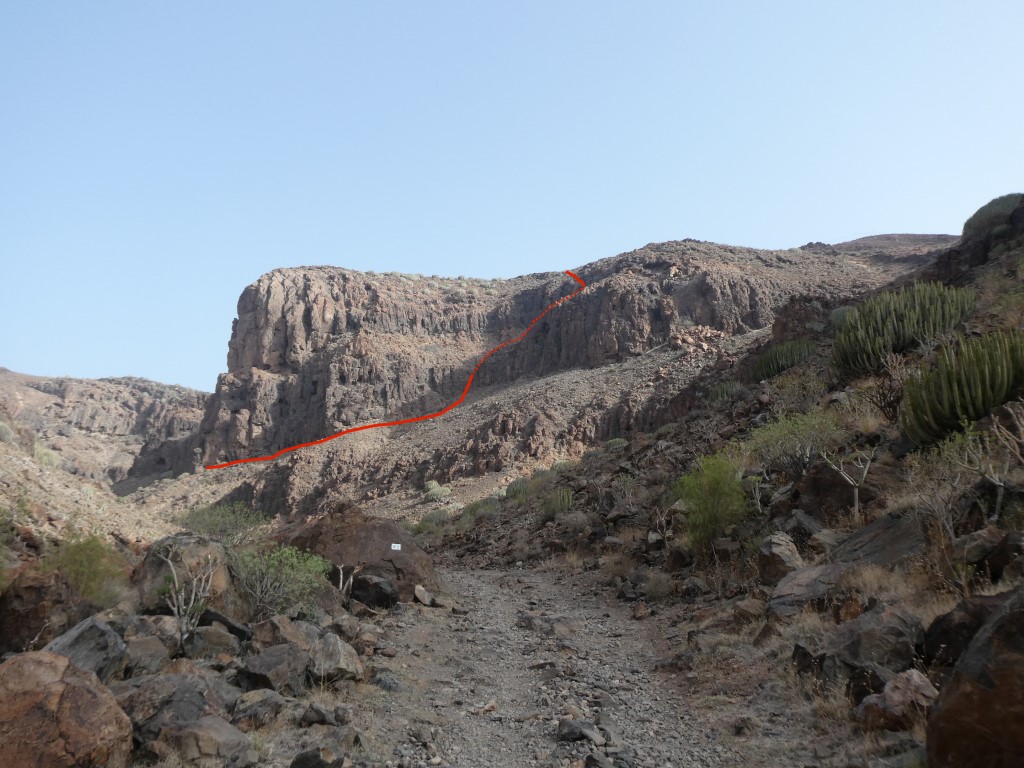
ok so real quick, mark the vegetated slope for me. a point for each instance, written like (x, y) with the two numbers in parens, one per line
(315, 350)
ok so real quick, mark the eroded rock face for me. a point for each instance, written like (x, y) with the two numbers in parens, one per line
(55, 715)
(318, 349)
(976, 720)
(154, 702)
(949, 635)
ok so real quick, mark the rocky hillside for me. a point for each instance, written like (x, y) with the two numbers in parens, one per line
(66, 444)
(816, 590)
(316, 350)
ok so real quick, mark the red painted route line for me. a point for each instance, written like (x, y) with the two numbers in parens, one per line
(414, 419)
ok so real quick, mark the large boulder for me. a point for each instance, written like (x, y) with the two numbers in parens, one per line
(331, 659)
(777, 558)
(280, 667)
(375, 591)
(195, 554)
(55, 715)
(816, 587)
(93, 645)
(280, 629)
(382, 547)
(155, 702)
(891, 540)
(257, 709)
(208, 642)
(211, 738)
(865, 653)
(977, 720)
(36, 607)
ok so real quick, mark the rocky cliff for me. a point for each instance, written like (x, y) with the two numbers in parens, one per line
(97, 427)
(315, 350)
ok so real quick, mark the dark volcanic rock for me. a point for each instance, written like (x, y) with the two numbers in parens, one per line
(94, 646)
(890, 540)
(280, 667)
(949, 634)
(977, 718)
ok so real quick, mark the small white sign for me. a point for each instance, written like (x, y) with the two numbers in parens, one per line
(396, 546)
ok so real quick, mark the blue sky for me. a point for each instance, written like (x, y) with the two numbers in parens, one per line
(155, 158)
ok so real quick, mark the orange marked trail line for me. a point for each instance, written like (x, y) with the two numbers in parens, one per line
(414, 419)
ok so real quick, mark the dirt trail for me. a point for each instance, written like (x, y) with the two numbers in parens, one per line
(489, 686)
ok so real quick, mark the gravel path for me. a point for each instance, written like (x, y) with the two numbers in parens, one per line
(531, 669)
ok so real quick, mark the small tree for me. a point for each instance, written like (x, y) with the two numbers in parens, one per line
(853, 468)
(714, 498)
(187, 596)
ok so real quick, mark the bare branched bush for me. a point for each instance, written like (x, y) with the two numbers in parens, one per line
(887, 392)
(187, 595)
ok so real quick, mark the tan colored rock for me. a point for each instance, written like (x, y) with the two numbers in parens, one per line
(424, 597)
(280, 629)
(55, 715)
(210, 738)
(778, 557)
(906, 697)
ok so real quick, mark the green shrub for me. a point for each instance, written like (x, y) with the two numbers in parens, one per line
(96, 570)
(665, 430)
(431, 485)
(6, 433)
(481, 508)
(518, 488)
(615, 443)
(714, 498)
(557, 501)
(659, 585)
(275, 580)
(722, 392)
(788, 445)
(840, 316)
(430, 521)
(779, 357)
(894, 322)
(45, 457)
(234, 524)
(436, 494)
(968, 380)
(562, 466)
(992, 215)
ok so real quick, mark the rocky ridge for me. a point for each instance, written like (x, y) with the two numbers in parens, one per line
(319, 349)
